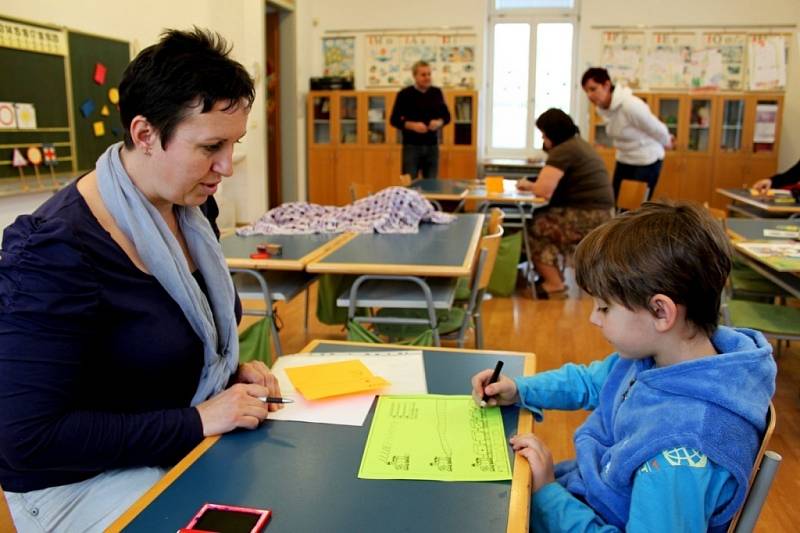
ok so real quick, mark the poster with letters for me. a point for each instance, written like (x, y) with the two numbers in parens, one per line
(621, 55)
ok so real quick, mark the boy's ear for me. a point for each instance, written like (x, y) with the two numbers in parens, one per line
(664, 310)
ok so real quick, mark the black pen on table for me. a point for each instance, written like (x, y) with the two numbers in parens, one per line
(493, 379)
(274, 399)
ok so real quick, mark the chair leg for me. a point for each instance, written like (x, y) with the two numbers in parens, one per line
(278, 348)
(478, 332)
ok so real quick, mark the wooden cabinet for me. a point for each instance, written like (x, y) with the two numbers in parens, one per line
(350, 139)
(719, 141)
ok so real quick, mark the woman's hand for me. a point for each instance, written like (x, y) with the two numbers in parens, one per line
(236, 407)
(763, 186)
(524, 185)
(257, 373)
(539, 458)
(503, 392)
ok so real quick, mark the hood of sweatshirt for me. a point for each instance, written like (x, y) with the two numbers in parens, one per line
(740, 379)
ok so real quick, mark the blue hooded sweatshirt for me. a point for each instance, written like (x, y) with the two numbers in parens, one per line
(716, 405)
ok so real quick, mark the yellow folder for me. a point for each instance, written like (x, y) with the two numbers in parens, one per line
(334, 379)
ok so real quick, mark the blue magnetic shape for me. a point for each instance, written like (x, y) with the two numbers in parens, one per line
(87, 107)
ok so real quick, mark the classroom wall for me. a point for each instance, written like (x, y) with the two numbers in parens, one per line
(241, 22)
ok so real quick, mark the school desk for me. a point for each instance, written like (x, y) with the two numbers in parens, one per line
(751, 206)
(440, 189)
(741, 229)
(307, 473)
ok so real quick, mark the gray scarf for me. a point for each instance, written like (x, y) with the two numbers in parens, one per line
(162, 255)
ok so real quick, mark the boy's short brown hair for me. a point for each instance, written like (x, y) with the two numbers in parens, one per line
(675, 249)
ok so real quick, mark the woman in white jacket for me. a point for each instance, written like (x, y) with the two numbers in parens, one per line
(638, 135)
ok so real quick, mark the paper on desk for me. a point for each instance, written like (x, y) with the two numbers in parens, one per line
(435, 437)
(404, 369)
(327, 379)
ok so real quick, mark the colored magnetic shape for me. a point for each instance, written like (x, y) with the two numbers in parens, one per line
(99, 128)
(26, 116)
(49, 152)
(87, 107)
(104, 111)
(100, 73)
(8, 116)
(18, 160)
(34, 156)
(113, 95)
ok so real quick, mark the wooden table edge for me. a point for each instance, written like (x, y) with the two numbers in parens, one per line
(759, 204)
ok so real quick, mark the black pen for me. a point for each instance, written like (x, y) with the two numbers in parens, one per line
(493, 379)
(273, 399)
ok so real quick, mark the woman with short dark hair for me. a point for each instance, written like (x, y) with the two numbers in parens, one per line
(118, 325)
(639, 137)
(576, 185)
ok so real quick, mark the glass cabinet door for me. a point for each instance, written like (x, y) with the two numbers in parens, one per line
(601, 138)
(732, 125)
(699, 125)
(765, 125)
(376, 119)
(463, 119)
(322, 120)
(348, 120)
(668, 113)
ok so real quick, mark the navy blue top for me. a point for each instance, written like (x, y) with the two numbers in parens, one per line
(98, 364)
(414, 105)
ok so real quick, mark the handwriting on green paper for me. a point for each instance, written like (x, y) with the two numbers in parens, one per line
(435, 437)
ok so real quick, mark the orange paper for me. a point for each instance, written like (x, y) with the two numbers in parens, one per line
(494, 184)
(334, 379)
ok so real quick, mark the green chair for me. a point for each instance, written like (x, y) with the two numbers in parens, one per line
(778, 322)
(254, 342)
(413, 325)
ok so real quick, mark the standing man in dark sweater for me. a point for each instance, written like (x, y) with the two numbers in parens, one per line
(420, 112)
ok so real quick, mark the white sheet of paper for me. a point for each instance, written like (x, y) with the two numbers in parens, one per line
(405, 370)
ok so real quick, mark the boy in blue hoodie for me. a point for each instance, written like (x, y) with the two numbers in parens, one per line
(678, 410)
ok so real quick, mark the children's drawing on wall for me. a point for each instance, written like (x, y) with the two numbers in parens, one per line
(668, 60)
(390, 57)
(622, 55)
(339, 53)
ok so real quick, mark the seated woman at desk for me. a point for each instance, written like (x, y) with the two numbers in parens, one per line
(790, 178)
(118, 341)
(575, 182)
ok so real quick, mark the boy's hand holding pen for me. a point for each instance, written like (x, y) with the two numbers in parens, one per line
(488, 392)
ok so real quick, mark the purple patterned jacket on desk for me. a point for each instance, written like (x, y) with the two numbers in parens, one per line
(392, 210)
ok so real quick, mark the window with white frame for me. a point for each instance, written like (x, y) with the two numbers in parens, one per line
(532, 68)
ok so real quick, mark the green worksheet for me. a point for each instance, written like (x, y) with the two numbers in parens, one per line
(435, 437)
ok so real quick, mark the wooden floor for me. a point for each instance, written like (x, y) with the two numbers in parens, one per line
(559, 332)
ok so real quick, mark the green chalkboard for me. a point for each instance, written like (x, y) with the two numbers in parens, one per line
(40, 79)
(85, 52)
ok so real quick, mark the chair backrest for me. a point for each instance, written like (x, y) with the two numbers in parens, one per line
(405, 180)
(359, 190)
(719, 214)
(495, 218)
(491, 243)
(6, 522)
(631, 194)
(745, 518)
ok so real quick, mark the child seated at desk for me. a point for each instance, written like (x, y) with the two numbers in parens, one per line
(678, 410)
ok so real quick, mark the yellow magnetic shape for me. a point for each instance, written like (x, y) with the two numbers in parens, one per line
(334, 379)
(105, 112)
(99, 128)
(113, 95)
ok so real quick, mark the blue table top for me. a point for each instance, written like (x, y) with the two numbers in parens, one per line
(307, 473)
(437, 250)
(297, 250)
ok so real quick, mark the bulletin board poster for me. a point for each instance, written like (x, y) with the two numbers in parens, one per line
(719, 62)
(668, 60)
(389, 58)
(767, 62)
(621, 55)
(339, 54)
